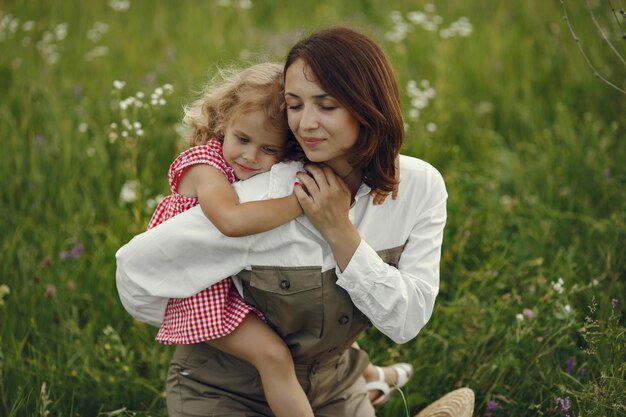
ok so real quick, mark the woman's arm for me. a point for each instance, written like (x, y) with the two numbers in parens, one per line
(220, 204)
(398, 298)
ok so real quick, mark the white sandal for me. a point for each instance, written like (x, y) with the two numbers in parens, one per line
(404, 371)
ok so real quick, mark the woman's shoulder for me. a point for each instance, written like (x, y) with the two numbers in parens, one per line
(422, 181)
(415, 169)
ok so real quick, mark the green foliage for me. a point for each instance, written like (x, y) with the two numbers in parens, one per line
(531, 145)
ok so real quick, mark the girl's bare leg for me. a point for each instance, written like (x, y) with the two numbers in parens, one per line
(255, 342)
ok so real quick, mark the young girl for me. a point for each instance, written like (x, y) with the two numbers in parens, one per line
(238, 129)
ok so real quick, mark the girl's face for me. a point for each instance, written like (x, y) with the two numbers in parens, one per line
(249, 147)
(323, 127)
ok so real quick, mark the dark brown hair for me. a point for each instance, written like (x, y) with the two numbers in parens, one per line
(353, 69)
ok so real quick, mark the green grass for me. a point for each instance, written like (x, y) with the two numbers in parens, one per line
(530, 143)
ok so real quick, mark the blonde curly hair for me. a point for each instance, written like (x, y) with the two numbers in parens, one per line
(231, 93)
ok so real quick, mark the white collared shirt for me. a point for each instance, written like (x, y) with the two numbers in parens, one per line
(186, 254)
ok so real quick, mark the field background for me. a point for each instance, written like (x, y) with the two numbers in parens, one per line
(497, 97)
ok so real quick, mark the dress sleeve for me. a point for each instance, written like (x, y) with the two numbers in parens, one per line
(209, 154)
(399, 300)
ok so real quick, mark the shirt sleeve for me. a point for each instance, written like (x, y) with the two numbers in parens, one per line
(399, 300)
(184, 255)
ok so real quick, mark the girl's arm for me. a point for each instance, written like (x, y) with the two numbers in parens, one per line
(220, 204)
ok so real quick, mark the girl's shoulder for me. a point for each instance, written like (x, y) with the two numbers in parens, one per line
(212, 150)
(209, 154)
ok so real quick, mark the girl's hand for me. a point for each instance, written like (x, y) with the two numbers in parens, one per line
(378, 196)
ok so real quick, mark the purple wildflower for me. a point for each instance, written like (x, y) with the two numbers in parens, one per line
(492, 406)
(564, 403)
(149, 78)
(569, 364)
(73, 253)
(77, 91)
(581, 374)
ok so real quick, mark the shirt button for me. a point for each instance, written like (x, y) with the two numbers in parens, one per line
(285, 284)
(344, 319)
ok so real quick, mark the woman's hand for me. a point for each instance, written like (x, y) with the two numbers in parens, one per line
(324, 197)
(325, 200)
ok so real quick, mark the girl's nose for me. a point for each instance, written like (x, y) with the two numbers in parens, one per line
(250, 155)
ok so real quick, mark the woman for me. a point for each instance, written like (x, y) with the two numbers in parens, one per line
(325, 277)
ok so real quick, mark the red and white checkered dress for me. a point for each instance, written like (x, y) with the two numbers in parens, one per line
(215, 311)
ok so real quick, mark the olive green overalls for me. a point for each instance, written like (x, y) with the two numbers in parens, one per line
(317, 320)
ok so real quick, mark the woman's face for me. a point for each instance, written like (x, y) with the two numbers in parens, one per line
(323, 127)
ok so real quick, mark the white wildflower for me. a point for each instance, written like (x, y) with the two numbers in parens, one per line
(445, 33)
(129, 191)
(119, 5)
(431, 127)
(151, 203)
(519, 317)
(98, 51)
(118, 84)
(245, 4)
(558, 286)
(91, 151)
(4, 291)
(95, 33)
(28, 26)
(61, 31)
(417, 18)
(82, 128)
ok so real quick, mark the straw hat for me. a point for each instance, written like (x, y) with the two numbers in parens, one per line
(458, 403)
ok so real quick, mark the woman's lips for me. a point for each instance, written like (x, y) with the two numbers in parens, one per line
(311, 142)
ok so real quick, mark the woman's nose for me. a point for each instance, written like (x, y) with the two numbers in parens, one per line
(308, 119)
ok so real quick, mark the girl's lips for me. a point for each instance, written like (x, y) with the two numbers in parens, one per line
(245, 168)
